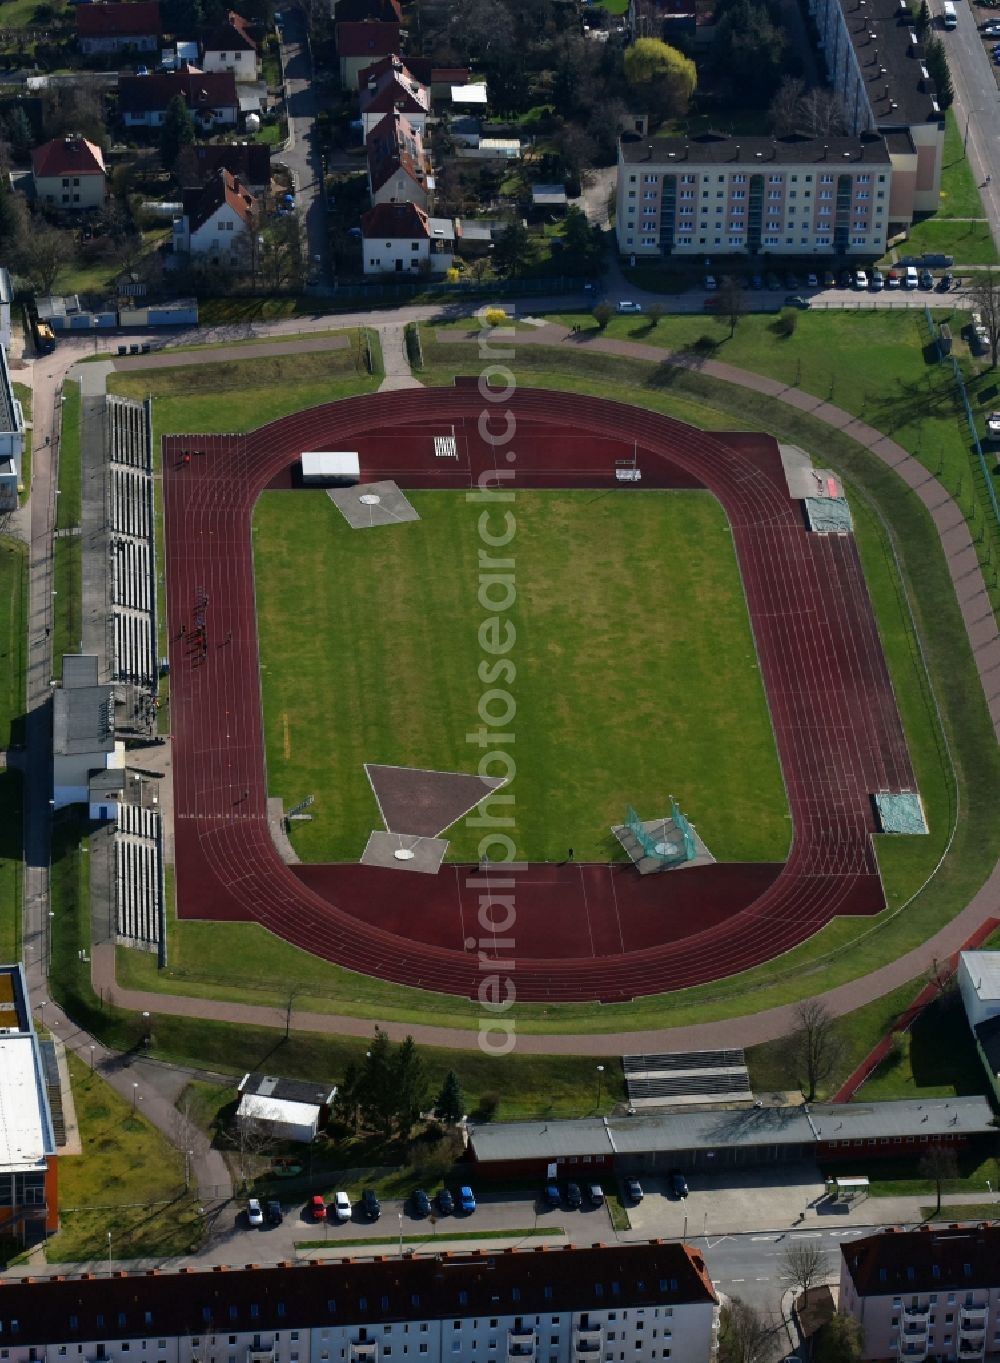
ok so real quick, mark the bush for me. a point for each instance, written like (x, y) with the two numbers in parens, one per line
(489, 1106)
(785, 323)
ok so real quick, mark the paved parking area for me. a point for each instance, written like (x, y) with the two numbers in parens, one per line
(728, 1202)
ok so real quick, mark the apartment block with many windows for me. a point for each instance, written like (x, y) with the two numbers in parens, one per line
(718, 195)
(603, 1304)
(933, 1292)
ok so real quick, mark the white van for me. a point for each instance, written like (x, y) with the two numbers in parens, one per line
(950, 14)
(910, 277)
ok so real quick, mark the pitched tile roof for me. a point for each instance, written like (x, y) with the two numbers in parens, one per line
(128, 19)
(395, 222)
(248, 161)
(67, 156)
(370, 38)
(354, 11)
(232, 35)
(389, 85)
(924, 1260)
(220, 188)
(394, 144)
(200, 90)
(367, 1292)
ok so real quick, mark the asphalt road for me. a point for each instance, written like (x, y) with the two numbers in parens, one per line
(302, 155)
(977, 100)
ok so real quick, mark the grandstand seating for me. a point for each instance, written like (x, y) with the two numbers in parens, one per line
(138, 856)
(130, 522)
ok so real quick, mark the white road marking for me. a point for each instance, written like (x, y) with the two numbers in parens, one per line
(806, 1235)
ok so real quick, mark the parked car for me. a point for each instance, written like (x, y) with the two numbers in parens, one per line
(274, 1213)
(773, 282)
(878, 280)
(926, 279)
(446, 1203)
(340, 1208)
(945, 282)
(595, 1194)
(677, 1184)
(795, 300)
(421, 1203)
(812, 281)
(467, 1199)
(626, 306)
(317, 1208)
(756, 281)
(633, 1190)
(370, 1205)
(574, 1198)
(860, 279)
(791, 281)
(892, 280)
(910, 277)
(254, 1214)
(710, 282)
(829, 279)
(711, 302)
(844, 279)
(552, 1197)
(991, 29)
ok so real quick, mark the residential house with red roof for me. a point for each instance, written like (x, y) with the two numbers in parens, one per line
(69, 173)
(217, 221)
(399, 238)
(932, 1292)
(230, 47)
(250, 162)
(388, 87)
(398, 168)
(113, 26)
(210, 95)
(361, 42)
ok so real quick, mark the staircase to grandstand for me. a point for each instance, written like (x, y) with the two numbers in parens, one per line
(681, 1078)
(139, 894)
(131, 529)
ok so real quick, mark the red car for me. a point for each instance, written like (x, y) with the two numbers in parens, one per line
(317, 1207)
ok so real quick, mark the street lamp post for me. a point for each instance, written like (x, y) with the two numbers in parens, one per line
(600, 1079)
(135, 1096)
(187, 1169)
(401, 1235)
(92, 1058)
(109, 1254)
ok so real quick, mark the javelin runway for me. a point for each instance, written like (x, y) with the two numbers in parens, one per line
(581, 932)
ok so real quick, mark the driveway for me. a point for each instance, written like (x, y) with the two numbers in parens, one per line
(302, 154)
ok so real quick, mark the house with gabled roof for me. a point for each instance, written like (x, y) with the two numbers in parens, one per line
(398, 168)
(210, 95)
(118, 26)
(69, 173)
(217, 221)
(388, 86)
(249, 162)
(230, 47)
(361, 42)
(399, 238)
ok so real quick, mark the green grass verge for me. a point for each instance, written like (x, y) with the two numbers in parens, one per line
(978, 1172)
(25, 397)
(13, 638)
(962, 1211)
(696, 720)
(960, 197)
(970, 242)
(67, 604)
(70, 499)
(11, 864)
(434, 1238)
(239, 395)
(240, 961)
(129, 1182)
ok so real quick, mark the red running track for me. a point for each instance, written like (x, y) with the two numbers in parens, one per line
(587, 932)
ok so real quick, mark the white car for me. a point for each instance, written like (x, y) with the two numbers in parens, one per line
(342, 1206)
(860, 279)
(254, 1214)
(710, 283)
(812, 281)
(626, 306)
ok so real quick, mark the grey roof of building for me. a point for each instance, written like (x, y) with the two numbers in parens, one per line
(286, 1090)
(988, 1036)
(899, 141)
(107, 782)
(891, 63)
(79, 669)
(715, 148)
(6, 287)
(83, 720)
(8, 411)
(717, 1129)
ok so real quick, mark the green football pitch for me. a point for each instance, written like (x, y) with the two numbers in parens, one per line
(636, 676)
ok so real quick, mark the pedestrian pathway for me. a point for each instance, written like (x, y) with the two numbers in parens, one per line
(758, 1027)
(395, 360)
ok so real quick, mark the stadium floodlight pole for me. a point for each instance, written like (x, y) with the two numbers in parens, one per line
(600, 1078)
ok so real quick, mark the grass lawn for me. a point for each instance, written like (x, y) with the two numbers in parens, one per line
(960, 196)
(13, 643)
(970, 242)
(215, 312)
(24, 396)
(11, 864)
(70, 499)
(240, 960)
(67, 608)
(129, 1181)
(697, 722)
(239, 395)
(978, 1171)
(937, 1058)
(433, 1237)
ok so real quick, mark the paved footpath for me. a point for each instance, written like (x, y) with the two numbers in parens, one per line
(980, 625)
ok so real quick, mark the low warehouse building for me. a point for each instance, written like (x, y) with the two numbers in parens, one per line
(290, 1109)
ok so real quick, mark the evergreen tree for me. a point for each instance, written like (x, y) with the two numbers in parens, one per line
(378, 1107)
(450, 1105)
(937, 65)
(20, 132)
(409, 1085)
(923, 18)
(177, 131)
(513, 251)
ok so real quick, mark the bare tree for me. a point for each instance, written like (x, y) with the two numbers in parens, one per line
(732, 301)
(805, 1265)
(744, 1333)
(786, 105)
(986, 301)
(821, 114)
(939, 1164)
(816, 1044)
(42, 254)
(251, 1140)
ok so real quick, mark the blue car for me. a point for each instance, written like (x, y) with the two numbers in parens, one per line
(467, 1199)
